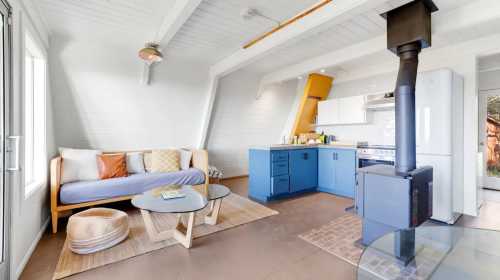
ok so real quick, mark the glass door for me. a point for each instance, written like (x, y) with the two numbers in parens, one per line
(5, 90)
(489, 113)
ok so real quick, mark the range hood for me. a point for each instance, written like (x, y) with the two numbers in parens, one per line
(380, 101)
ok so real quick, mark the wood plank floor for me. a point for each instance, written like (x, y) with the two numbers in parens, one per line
(266, 249)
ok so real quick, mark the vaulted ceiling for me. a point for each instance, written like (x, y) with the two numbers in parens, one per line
(216, 28)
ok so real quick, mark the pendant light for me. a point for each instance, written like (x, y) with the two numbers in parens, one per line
(150, 54)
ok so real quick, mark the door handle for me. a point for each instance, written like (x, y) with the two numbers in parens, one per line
(17, 140)
(306, 156)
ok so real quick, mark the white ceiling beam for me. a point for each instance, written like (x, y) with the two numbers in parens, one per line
(175, 19)
(335, 12)
(482, 13)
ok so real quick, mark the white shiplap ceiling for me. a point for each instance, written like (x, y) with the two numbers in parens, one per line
(216, 29)
(120, 22)
(357, 29)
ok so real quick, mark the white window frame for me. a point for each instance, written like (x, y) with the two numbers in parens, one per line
(39, 164)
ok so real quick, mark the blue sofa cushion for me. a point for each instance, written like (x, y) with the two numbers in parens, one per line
(86, 191)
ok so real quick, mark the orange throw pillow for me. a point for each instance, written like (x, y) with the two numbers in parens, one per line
(112, 166)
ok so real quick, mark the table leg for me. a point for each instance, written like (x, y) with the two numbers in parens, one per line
(211, 218)
(154, 234)
(184, 233)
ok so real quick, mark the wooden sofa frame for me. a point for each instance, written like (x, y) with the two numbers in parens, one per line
(199, 160)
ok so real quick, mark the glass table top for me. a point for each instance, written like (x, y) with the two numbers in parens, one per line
(216, 191)
(441, 252)
(152, 201)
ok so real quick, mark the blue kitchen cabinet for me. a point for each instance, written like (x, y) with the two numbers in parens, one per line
(303, 169)
(326, 170)
(268, 172)
(337, 171)
(280, 173)
(259, 169)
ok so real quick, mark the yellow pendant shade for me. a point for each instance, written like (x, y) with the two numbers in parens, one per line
(151, 53)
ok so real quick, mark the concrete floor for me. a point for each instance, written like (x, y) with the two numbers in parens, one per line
(265, 249)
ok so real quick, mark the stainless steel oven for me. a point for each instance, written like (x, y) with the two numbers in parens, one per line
(369, 155)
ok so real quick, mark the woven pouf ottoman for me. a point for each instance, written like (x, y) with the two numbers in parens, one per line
(96, 229)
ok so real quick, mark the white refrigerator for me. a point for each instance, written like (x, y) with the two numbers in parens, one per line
(439, 132)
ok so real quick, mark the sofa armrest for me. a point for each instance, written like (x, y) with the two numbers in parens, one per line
(200, 161)
(55, 181)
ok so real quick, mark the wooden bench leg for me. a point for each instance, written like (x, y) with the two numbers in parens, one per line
(55, 217)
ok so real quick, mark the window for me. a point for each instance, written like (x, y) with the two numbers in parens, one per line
(35, 159)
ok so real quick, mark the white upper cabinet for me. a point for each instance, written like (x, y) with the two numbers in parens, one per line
(341, 111)
(328, 112)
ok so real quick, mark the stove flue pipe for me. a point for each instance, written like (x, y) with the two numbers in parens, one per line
(408, 32)
(405, 107)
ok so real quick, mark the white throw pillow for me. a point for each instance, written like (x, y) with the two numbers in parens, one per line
(79, 165)
(135, 163)
(185, 158)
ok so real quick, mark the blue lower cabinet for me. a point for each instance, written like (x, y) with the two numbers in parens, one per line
(279, 168)
(280, 185)
(275, 174)
(326, 170)
(303, 169)
(337, 171)
(345, 173)
(259, 170)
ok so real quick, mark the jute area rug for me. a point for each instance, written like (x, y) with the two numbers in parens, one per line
(235, 211)
(339, 237)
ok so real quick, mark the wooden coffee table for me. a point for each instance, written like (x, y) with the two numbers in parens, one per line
(185, 208)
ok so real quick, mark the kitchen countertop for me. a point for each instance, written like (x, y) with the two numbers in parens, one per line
(278, 147)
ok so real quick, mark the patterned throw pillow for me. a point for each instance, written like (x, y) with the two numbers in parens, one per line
(165, 161)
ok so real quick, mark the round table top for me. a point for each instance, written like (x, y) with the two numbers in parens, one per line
(152, 201)
(441, 252)
(216, 191)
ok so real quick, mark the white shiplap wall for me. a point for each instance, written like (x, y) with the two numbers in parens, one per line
(240, 121)
(100, 103)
